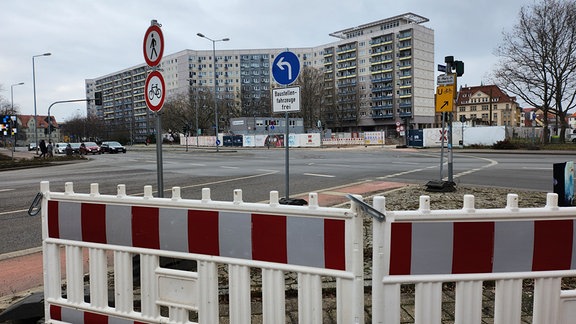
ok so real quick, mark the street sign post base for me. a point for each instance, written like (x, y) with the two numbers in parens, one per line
(441, 186)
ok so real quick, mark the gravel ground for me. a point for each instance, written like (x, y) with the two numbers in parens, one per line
(407, 198)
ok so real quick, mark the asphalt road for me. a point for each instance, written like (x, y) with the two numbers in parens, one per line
(257, 172)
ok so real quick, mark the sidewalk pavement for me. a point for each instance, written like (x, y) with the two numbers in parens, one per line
(20, 153)
(21, 272)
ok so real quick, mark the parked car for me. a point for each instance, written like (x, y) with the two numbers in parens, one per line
(60, 148)
(31, 146)
(571, 135)
(75, 148)
(112, 147)
(89, 147)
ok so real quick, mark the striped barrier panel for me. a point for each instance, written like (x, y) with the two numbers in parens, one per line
(468, 247)
(310, 241)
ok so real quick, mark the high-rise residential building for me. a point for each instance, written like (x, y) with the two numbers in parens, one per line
(373, 77)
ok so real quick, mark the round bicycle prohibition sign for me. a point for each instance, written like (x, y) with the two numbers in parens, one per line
(153, 45)
(155, 93)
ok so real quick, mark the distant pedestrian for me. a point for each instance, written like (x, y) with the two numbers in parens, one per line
(50, 149)
(69, 150)
(43, 149)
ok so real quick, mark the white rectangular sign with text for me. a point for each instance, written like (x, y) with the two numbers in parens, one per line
(286, 99)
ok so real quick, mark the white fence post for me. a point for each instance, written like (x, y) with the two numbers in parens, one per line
(546, 300)
(149, 287)
(309, 299)
(208, 291)
(273, 296)
(123, 282)
(350, 302)
(239, 283)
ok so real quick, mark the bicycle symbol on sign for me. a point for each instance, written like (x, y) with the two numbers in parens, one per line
(155, 91)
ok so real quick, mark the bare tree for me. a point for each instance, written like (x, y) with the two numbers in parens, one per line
(6, 105)
(563, 61)
(196, 106)
(538, 59)
(227, 109)
(177, 113)
(311, 81)
(89, 128)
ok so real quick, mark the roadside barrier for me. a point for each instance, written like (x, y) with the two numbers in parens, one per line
(469, 250)
(478, 264)
(234, 238)
(343, 141)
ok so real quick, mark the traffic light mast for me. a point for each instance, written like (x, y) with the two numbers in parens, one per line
(445, 96)
(451, 65)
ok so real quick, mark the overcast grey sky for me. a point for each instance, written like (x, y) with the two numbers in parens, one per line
(89, 39)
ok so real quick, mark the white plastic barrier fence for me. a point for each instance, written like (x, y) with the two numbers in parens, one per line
(236, 238)
(466, 254)
(343, 141)
(469, 247)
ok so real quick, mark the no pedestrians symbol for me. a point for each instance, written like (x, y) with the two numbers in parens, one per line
(153, 47)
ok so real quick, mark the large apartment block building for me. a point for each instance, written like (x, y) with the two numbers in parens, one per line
(373, 75)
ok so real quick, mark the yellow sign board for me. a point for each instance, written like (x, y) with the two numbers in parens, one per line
(445, 98)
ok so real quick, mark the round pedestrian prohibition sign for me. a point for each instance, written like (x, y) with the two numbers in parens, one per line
(155, 93)
(153, 45)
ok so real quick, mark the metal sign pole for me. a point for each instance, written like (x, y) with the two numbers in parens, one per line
(450, 150)
(159, 171)
(153, 48)
(442, 145)
(285, 70)
(286, 143)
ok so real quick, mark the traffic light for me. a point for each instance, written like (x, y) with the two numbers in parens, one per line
(459, 65)
(98, 98)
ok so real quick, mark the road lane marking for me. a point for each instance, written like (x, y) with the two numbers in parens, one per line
(491, 163)
(319, 175)
(4, 190)
(205, 184)
(405, 172)
(411, 163)
(330, 165)
(228, 167)
(533, 168)
(13, 212)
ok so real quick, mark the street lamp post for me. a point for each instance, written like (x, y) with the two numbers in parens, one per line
(12, 95)
(34, 90)
(12, 112)
(215, 80)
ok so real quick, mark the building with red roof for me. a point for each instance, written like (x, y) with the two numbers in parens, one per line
(487, 105)
(26, 129)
